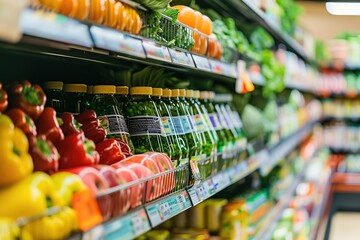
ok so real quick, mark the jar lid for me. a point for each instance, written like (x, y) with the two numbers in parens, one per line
(167, 92)
(189, 93)
(175, 92)
(104, 89)
(204, 95)
(211, 95)
(54, 85)
(79, 88)
(196, 94)
(182, 92)
(141, 90)
(123, 90)
(158, 92)
(90, 89)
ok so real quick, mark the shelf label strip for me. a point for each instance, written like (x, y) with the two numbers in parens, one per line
(183, 58)
(55, 27)
(201, 62)
(128, 227)
(112, 40)
(165, 209)
(156, 51)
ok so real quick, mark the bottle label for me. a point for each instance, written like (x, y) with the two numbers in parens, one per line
(198, 123)
(186, 120)
(167, 126)
(215, 122)
(114, 124)
(178, 125)
(222, 121)
(145, 125)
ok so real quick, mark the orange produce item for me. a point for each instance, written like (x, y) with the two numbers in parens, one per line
(111, 16)
(186, 16)
(69, 7)
(83, 9)
(220, 51)
(206, 25)
(198, 20)
(213, 46)
(122, 16)
(97, 11)
(203, 45)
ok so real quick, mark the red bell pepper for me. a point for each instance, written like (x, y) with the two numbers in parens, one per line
(68, 124)
(44, 154)
(110, 152)
(3, 99)
(75, 150)
(125, 149)
(30, 98)
(48, 126)
(91, 126)
(22, 120)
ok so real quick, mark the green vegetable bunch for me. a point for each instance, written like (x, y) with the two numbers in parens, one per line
(154, 4)
(289, 13)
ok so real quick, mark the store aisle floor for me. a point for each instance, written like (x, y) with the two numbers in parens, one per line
(345, 226)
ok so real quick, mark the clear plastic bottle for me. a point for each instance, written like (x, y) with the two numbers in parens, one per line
(178, 149)
(122, 95)
(178, 126)
(144, 122)
(110, 115)
(208, 145)
(225, 145)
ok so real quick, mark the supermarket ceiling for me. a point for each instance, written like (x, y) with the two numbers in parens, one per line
(321, 24)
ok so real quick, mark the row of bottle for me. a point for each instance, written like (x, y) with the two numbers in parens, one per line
(184, 124)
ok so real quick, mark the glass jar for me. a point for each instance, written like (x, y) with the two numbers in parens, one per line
(111, 116)
(144, 122)
(177, 149)
(75, 98)
(54, 95)
(122, 95)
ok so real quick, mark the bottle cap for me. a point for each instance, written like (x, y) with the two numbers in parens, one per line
(182, 92)
(204, 95)
(104, 89)
(175, 92)
(79, 88)
(196, 94)
(158, 92)
(122, 90)
(189, 93)
(141, 90)
(167, 93)
(54, 85)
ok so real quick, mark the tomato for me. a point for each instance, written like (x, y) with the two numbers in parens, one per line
(120, 199)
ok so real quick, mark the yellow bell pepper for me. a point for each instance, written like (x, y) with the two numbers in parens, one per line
(15, 162)
(28, 197)
(66, 184)
(57, 226)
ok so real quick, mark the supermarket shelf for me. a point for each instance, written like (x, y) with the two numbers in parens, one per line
(142, 219)
(246, 8)
(270, 221)
(280, 150)
(342, 119)
(51, 35)
(319, 210)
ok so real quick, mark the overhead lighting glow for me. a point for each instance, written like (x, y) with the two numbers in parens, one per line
(343, 8)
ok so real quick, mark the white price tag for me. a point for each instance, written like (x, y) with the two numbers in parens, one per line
(138, 225)
(182, 58)
(201, 62)
(157, 52)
